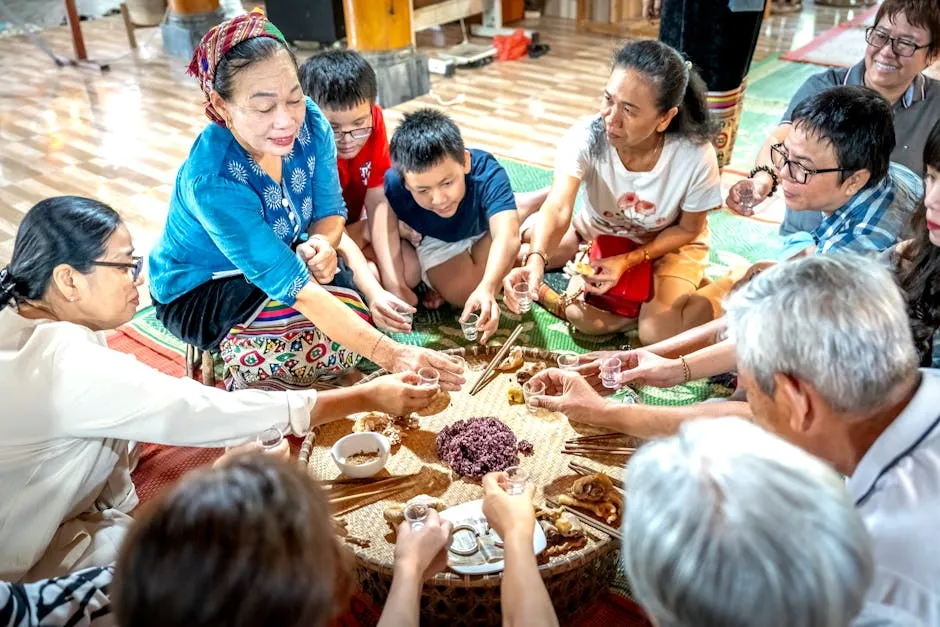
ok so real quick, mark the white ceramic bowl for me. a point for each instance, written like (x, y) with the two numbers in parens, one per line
(358, 442)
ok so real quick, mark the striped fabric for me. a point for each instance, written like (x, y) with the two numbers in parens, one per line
(280, 349)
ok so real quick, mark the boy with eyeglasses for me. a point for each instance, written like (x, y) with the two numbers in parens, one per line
(343, 85)
(904, 41)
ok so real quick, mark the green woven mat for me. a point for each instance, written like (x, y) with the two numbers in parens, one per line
(735, 241)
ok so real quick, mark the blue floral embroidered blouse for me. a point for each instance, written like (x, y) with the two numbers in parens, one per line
(227, 216)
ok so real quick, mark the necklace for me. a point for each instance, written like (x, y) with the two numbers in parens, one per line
(645, 162)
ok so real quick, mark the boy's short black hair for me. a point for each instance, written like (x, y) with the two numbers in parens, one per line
(857, 122)
(425, 138)
(338, 79)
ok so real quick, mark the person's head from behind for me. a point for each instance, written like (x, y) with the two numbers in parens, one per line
(652, 90)
(823, 343)
(253, 88)
(343, 85)
(840, 144)
(73, 260)
(245, 544)
(726, 525)
(430, 157)
(904, 41)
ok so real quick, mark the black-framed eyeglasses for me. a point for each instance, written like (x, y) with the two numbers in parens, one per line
(798, 173)
(136, 267)
(356, 133)
(901, 47)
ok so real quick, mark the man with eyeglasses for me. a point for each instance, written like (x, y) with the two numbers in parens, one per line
(904, 41)
(834, 163)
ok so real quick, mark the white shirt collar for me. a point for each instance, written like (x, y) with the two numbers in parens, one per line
(909, 429)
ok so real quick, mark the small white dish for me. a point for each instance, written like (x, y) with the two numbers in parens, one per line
(473, 510)
(361, 442)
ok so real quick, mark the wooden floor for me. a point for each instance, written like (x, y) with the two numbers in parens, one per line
(120, 136)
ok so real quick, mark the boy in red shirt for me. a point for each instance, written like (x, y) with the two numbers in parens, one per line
(343, 85)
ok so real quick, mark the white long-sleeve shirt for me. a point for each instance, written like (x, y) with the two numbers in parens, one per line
(68, 407)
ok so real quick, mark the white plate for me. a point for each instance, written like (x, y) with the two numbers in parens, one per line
(459, 514)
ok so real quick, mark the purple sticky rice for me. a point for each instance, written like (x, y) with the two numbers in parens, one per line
(476, 446)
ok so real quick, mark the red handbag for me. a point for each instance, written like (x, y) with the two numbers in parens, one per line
(635, 286)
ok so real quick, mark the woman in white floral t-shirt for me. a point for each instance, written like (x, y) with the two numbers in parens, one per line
(650, 175)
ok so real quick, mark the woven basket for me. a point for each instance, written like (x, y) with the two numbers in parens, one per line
(573, 579)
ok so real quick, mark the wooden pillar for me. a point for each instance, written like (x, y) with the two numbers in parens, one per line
(382, 30)
(378, 25)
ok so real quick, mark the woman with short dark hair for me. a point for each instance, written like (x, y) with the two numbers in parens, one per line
(71, 405)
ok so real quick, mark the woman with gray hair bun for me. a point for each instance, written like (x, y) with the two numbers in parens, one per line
(729, 526)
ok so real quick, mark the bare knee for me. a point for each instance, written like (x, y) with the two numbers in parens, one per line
(592, 322)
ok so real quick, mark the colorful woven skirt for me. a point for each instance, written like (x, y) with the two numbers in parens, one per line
(280, 349)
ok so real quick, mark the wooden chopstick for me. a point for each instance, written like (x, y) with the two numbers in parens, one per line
(587, 519)
(581, 469)
(381, 492)
(594, 438)
(593, 454)
(481, 383)
(356, 488)
(600, 447)
(346, 481)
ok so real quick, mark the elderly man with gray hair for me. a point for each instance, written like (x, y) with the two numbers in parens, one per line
(728, 526)
(825, 352)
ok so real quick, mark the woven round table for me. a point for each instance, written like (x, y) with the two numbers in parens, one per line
(573, 580)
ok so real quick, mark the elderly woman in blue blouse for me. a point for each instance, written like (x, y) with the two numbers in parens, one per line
(248, 258)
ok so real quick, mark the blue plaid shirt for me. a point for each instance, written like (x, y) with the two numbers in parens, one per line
(873, 219)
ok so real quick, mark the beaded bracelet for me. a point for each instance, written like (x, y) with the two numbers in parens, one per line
(768, 170)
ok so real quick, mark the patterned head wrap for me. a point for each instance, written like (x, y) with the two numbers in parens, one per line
(219, 40)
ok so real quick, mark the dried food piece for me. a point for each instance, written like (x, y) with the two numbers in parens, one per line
(529, 370)
(591, 488)
(513, 362)
(525, 447)
(514, 394)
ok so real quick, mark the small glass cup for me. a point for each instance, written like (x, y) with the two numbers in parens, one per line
(429, 377)
(469, 328)
(521, 291)
(408, 316)
(746, 196)
(416, 514)
(517, 480)
(567, 360)
(530, 389)
(610, 373)
(270, 438)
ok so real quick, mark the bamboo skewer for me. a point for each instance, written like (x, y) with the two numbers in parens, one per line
(490, 367)
(349, 482)
(587, 519)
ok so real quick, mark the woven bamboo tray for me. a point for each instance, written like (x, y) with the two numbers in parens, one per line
(573, 579)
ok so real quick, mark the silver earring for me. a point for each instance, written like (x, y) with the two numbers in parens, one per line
(71, 299)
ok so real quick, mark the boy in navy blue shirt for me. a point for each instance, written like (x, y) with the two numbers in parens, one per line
(461, 203)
